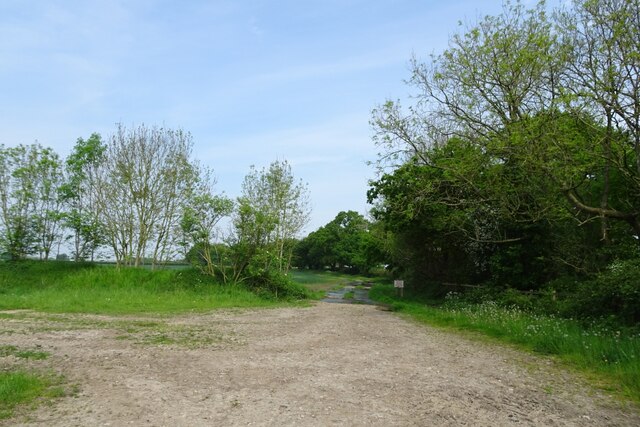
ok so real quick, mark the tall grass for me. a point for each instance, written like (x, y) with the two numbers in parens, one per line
(66, 287)
(611, 356)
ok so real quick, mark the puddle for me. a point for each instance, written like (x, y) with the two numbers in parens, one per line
(355, 294)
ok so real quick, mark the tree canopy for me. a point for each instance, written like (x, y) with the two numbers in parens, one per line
(518, 161)
(349, 242)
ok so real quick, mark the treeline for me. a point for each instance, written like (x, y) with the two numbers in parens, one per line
(349, 243)
(140, 195)
(518, 164)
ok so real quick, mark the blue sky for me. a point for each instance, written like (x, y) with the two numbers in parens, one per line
(253, 81)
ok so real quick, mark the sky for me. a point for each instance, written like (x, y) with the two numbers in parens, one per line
(253, 81)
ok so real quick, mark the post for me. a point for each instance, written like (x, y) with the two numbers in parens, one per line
(399, 285)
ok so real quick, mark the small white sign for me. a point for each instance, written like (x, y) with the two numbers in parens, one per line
(398, 283)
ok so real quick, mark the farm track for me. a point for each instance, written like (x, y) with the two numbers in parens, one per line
(329, 364)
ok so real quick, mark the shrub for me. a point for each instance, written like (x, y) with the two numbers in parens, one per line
(274, 284)
(515, 298)
(613, 294)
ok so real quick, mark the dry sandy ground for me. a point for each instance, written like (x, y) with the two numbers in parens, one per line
(330, 364)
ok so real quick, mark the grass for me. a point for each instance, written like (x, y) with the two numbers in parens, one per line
(349, 295)
(611, 358)
(62, 287)
(19, 388)
(10, 350)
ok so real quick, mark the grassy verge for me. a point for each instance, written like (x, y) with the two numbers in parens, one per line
(70, 288)
(609, 357)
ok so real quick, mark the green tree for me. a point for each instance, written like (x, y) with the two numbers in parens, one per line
(47, 212)
(417, 206)
(79, 194)
(347, 242)
(601, 77)
(199, 222)
(30, 177)
(146, 178)
(272, 210)
(522, 130)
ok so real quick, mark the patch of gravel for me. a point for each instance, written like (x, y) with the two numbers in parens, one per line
(329, 364)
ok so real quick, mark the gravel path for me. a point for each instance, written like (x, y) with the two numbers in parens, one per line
(329, 364)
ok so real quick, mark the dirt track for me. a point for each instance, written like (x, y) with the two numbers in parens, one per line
(330, 364)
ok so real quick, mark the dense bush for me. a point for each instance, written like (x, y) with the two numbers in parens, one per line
(274, 284)
(614, 294)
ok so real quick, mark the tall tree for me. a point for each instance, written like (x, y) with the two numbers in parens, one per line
(17, 191)
(525, 123)
(47, 211)
(79, 194)
(29, 205)
(143, 184)
(603, 78)
(272, 210)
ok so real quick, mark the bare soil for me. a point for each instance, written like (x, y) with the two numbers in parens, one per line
(329, 364)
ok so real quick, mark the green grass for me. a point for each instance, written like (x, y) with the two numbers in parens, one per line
(21, 388)
(70, 288)
(349, 295)
(611, 358)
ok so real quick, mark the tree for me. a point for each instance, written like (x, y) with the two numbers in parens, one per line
(199, 221)
(603, 77)
(522, 126)
(427, 230)
(145, 180)
(509, 69)
(29, 205)
(272, 210)
(17, 200)
(79, 194)
(347, 242)
(47, 210)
